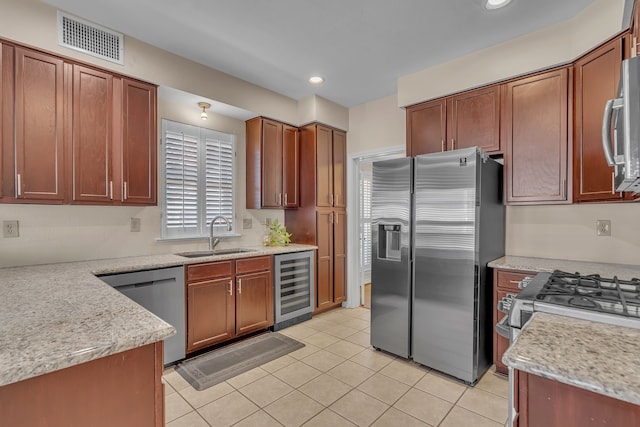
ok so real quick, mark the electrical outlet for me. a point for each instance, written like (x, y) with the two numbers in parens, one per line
(603, 227)
(267, 222)
(135, 225)
(10, 228)
(247, 223)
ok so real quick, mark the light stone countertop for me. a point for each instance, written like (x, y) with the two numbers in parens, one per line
(623, 271)
(58, 315)
(594, 356)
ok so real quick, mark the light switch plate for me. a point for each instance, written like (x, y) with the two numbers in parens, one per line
(603, 227)
(10, 229)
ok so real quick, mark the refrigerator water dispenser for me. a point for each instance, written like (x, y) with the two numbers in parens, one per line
(389, 241)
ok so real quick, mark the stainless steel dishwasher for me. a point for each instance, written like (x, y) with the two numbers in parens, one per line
(161, 292)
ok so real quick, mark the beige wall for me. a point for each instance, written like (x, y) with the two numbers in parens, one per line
(376, 125)
(550, 46)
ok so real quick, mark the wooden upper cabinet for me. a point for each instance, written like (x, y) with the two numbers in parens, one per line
(473, 119)
(272, 164)
(339, 169)
(92, 143)
(426, 127)
(534, 132)
(324, 166)
(290, 166)
(39, 126)
(139, 143)
(596, 81)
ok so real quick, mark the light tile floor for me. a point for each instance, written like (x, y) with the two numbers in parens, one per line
(336, 380)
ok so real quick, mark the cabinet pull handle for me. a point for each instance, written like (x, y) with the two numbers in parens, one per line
(19, 185)
(231, 287)
(285, 199)
(331, 199)
(337, 219)
(331, 217)
(453, 143)
(613, 183)
(515, 282)
(124, 191)
(239, 286)
(111, 190)
(337, 198)
(279, 199)
(442, 142)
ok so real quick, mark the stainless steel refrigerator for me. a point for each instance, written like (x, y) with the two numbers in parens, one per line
(437, 219)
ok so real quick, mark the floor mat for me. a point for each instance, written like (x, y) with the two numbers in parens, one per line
(221, 364)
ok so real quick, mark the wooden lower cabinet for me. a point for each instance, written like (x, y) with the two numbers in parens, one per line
(547, 403)
(124, 389)
(211, 312)
(331, 262)
(227, 299)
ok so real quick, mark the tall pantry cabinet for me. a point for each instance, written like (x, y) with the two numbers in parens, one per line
(321, 217)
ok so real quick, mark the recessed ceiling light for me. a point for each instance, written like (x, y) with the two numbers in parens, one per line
(496, 4)
(316, 80)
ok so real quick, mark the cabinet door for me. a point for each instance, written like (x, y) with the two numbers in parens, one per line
(596, 81)
(339, 169)
(210, 312)
(324, 166)
(534, 127)
(426, 127)
(39, 125)
(254, 302)
(324, 281)
(290, 165)
(139, 159)
(339, 256)
(271, 164)
(92, 139)
(473, 119)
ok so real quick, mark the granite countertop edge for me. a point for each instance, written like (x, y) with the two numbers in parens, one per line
(55, 316)
(510, 262)
(576, 352)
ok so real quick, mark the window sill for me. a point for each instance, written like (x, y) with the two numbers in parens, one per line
(193, 239)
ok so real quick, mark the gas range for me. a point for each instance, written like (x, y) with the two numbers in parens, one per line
(595, 298)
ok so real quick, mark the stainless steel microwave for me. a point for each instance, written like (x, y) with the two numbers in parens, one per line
(622, 121)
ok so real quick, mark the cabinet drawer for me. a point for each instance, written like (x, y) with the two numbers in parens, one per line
(209, 270)
(509, 279)
(253, 264)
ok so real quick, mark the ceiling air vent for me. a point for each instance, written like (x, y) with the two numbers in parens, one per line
(90, 38)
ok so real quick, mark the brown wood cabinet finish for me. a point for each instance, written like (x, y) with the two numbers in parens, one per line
(427, 127)
(504, 282)
(473, 119)
(535, 134)
(123, 389)
(39, 126)
(596, 81)
(272, 164)
(543, 402)
(320, 219)
(210, 312)
(254, 302)
(139, 143)
(92, 141)
(226, 299)
(75, 133)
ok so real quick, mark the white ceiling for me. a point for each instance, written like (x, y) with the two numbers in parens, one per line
(360, 47)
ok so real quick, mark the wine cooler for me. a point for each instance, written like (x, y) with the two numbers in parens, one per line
(294, 286)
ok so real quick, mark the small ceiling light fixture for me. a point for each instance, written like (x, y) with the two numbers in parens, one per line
(496, 4)
(204, 106)
(316, 80)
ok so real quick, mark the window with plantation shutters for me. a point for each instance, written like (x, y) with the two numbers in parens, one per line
(198, 180)
(365, 220)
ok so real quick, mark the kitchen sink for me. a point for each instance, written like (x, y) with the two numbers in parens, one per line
(198, 254)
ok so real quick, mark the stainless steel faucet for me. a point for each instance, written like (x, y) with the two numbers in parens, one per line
(213, 241)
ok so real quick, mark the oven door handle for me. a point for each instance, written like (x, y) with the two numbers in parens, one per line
(502, 328)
